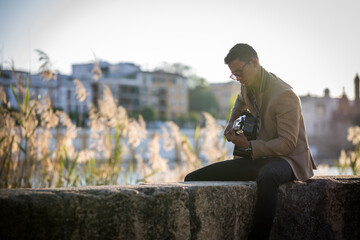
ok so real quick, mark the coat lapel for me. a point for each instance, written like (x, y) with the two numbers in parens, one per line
(248, 102)
(265, 78)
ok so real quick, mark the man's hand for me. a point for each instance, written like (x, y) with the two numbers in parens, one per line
(228, 130)
(239, 140)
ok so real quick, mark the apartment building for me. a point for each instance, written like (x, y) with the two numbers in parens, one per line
(132, 88)
(166, 92)
(7, 78)
(61, 91)
(123, 79)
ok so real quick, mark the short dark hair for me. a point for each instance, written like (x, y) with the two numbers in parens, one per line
(241, 51)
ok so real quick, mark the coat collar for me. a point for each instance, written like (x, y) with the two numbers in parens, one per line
(265, 78)
(264, 85)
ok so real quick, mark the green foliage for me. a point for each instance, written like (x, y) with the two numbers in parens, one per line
(189, 119)
(197, 82)
(23, 119)
(79, 118)
(356, 119)
(149, 114)
(67, 171)
(202, 99)
(186, 71)
(115, 160)
(176, 68)
(90, 170)
(163, 118)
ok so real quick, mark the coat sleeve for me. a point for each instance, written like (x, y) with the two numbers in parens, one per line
(287, 111)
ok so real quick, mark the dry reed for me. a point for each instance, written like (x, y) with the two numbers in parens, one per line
(37, 144)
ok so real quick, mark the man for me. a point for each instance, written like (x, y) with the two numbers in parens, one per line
(280, 153)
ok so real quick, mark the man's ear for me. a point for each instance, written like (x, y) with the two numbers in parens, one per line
(255, 61)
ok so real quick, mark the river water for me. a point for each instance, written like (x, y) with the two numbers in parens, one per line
(83, 139)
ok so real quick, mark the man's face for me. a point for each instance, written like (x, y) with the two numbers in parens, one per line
(242, 72)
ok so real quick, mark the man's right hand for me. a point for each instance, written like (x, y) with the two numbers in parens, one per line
(228, 130)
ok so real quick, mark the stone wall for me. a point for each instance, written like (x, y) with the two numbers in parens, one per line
(321, 208)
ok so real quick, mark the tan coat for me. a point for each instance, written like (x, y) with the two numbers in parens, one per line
(282, 130)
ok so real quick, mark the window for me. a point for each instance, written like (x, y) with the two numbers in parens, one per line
(105, 71)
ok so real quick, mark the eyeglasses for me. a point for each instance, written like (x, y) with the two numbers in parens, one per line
(234, 76)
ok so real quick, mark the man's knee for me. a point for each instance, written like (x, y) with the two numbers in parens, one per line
(277, 172)
(190, 177)
(268, 178)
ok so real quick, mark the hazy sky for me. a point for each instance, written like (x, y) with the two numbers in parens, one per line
(311, 44)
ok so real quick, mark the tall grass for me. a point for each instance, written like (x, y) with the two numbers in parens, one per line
(114, 153)
(350, 160)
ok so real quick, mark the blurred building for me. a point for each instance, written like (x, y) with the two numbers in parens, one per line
(61, 91)
(8, 78)
(318, 113)
(327, 120)
(167, 93)
(223, 93)
(131, 88)
(124, 80)
(134, 89)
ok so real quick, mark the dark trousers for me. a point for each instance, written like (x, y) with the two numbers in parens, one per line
(269, 173)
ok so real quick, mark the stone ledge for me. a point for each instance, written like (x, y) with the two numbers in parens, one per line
(321, 208)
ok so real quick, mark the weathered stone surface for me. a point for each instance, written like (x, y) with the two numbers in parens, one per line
(211, 210)
(321, 208)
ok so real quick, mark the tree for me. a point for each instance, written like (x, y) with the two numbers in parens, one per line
(202, 99)
(176, 68)
(188, 119)
(184, 70)
(149, 114)
(200, 96)
(195, 81)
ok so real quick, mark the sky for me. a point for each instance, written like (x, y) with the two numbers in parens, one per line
(310, 44)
